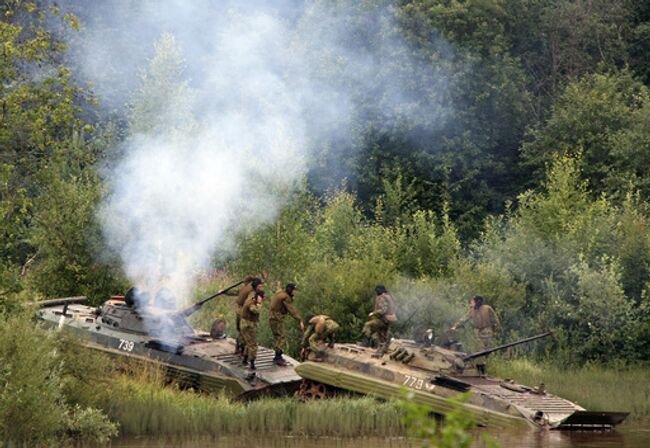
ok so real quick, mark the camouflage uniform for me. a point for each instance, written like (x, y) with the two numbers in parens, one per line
(320, 329)
(383, 317)
(281, 305)
(242, 295)
(486, 323)
(250, 316)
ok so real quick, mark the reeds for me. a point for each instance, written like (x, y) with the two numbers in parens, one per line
(146, 408)
(594, 387)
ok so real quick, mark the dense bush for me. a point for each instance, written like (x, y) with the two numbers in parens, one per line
(34, 380)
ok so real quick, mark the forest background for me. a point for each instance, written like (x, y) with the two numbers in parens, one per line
(523, 177)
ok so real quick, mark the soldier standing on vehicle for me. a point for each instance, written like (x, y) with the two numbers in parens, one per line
(382, 318)
(250, 284)
(250, 316)
(281, 305)
(320, 330)
(485, 322)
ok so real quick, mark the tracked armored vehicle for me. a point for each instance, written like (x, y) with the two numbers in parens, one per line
(192, 357)
(433, 375)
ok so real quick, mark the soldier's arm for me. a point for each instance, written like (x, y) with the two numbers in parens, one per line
(255, 308)
(292, 309)
(232, 292)
(305, 338)
(382, 307)
(331, 339)
(494, 320)
(462, 320)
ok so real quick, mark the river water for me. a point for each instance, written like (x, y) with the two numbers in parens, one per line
(632, 435)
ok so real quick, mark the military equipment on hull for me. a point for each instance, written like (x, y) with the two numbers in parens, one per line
(166, 338)
(434, 374)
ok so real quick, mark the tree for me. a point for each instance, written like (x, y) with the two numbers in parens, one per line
(603, 117)
(164, 100)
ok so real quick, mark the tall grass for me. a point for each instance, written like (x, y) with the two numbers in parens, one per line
(146, 408)
(594, 387)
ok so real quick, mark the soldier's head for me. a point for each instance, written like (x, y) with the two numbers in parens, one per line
(257, 284)
(476, 302)
(291, 289)
(380, 289)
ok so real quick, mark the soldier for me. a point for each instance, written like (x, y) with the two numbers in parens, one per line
(382, 318)
(250, 316)
(250, 284)
(485, 322)
(320, 329)
(281, 305)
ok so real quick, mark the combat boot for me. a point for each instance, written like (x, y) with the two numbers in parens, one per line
(278, 360)
(245, 360)
(253, 365)
(481, 370)
(366, 342)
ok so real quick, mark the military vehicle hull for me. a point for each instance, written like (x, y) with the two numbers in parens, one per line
(491, 401)
(198, 360)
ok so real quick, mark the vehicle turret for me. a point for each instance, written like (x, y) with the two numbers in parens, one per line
(442, 360)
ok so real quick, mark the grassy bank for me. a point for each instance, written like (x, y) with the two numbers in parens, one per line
(594, 387)
(146, 408)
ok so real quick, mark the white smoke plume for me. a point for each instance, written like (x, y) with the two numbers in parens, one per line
(231, 112)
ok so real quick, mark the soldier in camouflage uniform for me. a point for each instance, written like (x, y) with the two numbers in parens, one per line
(320, 330)
(485, 322)
(281, 305)
(250, 316)
(382, 318)
(250, 284)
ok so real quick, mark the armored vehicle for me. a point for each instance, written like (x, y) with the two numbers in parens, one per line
(164, 337)
(433, 374)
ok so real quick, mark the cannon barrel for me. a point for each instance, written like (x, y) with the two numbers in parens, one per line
(186, 312)
(501, 347)
(57, 302)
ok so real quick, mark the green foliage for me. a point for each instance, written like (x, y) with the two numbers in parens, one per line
(64, 229)
(90, 426)
(144, 407)
(454, 432)
(48, 184)
(337, 257)
(163, 89)
(30, 383)
(427, 246)
(33, 383)
(563, 250)
(14, 212)
(603, 118)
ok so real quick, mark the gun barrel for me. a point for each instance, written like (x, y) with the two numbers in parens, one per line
(57, 302)
(197, 306)
(501, 347)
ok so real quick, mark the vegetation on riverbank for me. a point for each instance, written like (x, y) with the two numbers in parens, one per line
(145, 408)
(594, 387)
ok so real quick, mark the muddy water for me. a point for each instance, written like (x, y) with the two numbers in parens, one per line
(628, 436)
